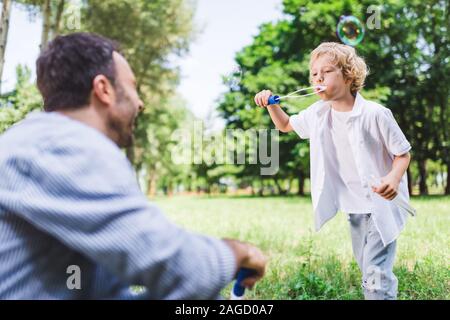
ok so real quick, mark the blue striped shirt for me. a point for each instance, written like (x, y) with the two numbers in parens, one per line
(69, 197)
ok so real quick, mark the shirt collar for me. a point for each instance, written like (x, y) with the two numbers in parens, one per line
(356, 111)
(357, 107)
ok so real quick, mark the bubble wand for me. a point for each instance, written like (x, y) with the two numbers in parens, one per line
(398, 200)
(292, 95)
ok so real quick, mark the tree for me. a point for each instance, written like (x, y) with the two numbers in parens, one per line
(52, 14)
(4, 27)
(15, 105)
(278, 59)
(150, 33)
(156, 31)
(413, 48)
(409, 54)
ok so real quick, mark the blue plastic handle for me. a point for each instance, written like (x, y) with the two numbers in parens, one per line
(274, 100)
(238, 288)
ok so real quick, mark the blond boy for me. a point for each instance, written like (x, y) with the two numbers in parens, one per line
(352, 140)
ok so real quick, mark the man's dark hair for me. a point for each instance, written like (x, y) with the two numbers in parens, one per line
(67, 67)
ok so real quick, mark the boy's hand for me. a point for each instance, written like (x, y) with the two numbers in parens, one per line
(388, 187)
(262, 98)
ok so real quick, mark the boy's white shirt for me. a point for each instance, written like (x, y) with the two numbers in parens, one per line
(341, 167)
(375, 138)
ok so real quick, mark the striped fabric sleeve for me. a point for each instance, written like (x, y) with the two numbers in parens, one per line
(89, 199)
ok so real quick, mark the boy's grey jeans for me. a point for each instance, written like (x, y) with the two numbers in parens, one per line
(374, 259)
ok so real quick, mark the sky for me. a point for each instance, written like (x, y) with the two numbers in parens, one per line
(225, 27)
(23, 45)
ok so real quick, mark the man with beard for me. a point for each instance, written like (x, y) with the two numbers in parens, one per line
(73, 221)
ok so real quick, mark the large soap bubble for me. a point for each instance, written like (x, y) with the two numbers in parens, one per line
(350, 30)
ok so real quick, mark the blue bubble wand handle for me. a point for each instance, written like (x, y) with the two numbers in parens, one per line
(274, 100)
(238, 291)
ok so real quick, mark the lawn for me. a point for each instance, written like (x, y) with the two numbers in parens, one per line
(309, 265)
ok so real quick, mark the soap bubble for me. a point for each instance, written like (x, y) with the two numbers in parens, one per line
(350, 30)
(233, 79)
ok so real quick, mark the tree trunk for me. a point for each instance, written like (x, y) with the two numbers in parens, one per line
(57, 23)
(280, 189)
(189, 184)
(444, 127)
(46, 23)
(423, 189)
(408, 174)
(447, 186)
(301, 184)
(151, 186)
(170, 188)
(288, 189)
(4, 27)
(261, 190)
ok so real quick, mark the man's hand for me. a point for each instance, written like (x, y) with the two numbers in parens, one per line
(388, 187)
(248, 256)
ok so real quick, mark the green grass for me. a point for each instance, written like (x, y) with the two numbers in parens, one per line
(309, 265)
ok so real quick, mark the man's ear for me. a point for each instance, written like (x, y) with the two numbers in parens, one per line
(102, 89)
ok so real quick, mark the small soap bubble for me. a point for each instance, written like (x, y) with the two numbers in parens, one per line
(233, 79)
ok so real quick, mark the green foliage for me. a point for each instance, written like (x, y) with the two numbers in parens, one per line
(149, 33)
(409, 73)
(15, 105)
(408, 57)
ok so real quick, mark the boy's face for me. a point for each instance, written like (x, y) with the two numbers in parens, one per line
(325, 72)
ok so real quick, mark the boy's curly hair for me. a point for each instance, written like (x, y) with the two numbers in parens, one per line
(345, 57)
